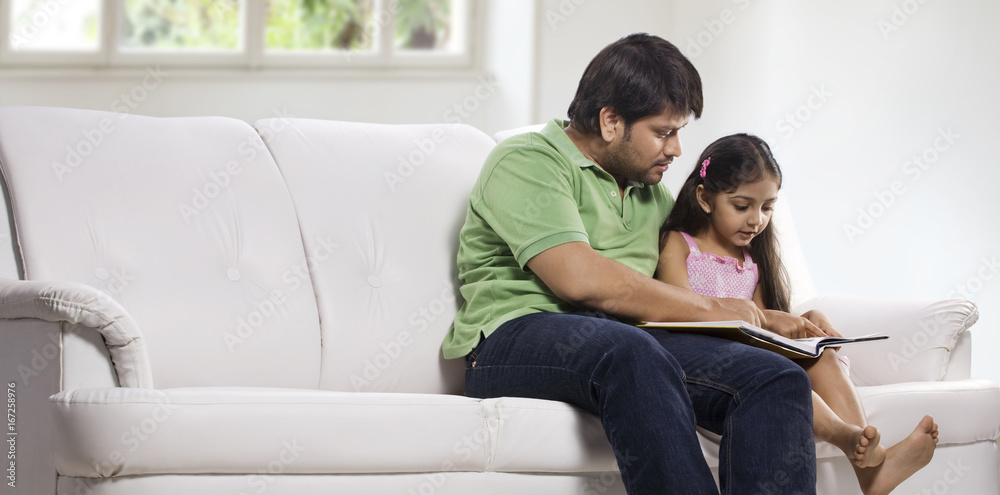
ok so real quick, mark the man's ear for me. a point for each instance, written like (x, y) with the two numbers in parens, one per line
(703, 199)
(611, 124)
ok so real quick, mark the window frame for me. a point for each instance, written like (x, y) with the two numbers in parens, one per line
(251, 54)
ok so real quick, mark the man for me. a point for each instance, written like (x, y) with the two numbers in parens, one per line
(560, 243)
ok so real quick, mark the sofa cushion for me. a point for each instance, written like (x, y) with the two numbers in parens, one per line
(184, 221)
(120, 432)
(380, 207)
(546, 436)
(965, 410)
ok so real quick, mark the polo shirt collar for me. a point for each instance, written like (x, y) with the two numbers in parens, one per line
(555, 133)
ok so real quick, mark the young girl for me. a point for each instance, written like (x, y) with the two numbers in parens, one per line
(717, 242)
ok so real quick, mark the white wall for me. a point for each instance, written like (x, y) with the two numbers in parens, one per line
(571, 32)
(887, 94)
(893, 99)
(879, 100)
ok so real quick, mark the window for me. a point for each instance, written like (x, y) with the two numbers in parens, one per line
(71, 26)
(187, 25)
(236, 33)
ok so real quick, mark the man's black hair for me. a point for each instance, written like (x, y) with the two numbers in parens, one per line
(638, 76)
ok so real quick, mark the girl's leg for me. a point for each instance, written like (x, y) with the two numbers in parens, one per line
(901, 460)
(854, 440)
(839, 410)
(839, 417)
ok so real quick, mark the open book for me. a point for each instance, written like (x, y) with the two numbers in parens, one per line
(758, 337)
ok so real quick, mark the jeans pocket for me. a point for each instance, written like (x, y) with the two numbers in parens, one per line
(471, 358)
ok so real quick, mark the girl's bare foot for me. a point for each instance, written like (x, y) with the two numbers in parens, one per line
(867, 451)
(901, 460)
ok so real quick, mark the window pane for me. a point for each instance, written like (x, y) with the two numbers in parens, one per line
(320, 25)
(429, 25)
(47, 25)
(181, 24)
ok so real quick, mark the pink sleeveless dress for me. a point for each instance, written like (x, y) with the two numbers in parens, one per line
(721, 276)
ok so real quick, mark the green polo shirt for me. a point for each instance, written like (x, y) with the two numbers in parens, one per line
(537, 191)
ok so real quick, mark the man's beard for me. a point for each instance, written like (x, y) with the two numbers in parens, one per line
(624, 161)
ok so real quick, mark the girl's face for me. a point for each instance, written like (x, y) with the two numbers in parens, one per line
(741, 215)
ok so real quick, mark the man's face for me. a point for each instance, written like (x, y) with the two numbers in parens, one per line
(645, 152)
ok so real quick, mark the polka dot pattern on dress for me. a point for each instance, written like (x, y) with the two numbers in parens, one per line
(720, 276)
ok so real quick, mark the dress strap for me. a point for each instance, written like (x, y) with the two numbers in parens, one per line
(691, 244)
(747, 260)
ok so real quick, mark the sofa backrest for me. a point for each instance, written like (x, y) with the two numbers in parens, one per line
(380, 207)
(792, 255)
(185, 221)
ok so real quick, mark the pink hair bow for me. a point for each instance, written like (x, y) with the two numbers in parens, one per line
(704, 167)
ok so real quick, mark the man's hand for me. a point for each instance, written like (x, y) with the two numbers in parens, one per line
(793, 327)
(741, 309)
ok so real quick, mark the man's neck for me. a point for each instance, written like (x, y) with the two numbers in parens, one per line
(593, 146)
(590, 145)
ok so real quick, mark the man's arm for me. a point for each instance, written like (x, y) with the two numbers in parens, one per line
(578, 274)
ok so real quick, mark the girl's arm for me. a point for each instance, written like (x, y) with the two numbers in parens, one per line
(758, 297)
(672, 267)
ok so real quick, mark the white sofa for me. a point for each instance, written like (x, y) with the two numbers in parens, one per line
(195, 305)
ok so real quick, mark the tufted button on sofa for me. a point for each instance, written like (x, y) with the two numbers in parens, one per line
(197, 305)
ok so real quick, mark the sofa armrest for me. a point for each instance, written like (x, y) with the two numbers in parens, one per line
(81, 304)
(960, 360)
(923, 333)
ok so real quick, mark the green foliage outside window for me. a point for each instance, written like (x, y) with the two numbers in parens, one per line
(181, 24)
(354, 24)
(423, 24)
(319, 24)
(290, 24)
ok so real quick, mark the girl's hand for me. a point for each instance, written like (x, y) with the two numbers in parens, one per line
(819, 319)
(793, 327)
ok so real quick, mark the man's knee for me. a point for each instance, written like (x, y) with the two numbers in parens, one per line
(629, 341)
(635, 350)
(786, 378)
(795, 381)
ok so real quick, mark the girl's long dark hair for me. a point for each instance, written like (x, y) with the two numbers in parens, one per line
(736, 160)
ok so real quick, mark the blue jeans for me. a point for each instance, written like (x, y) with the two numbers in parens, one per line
(651, 387)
